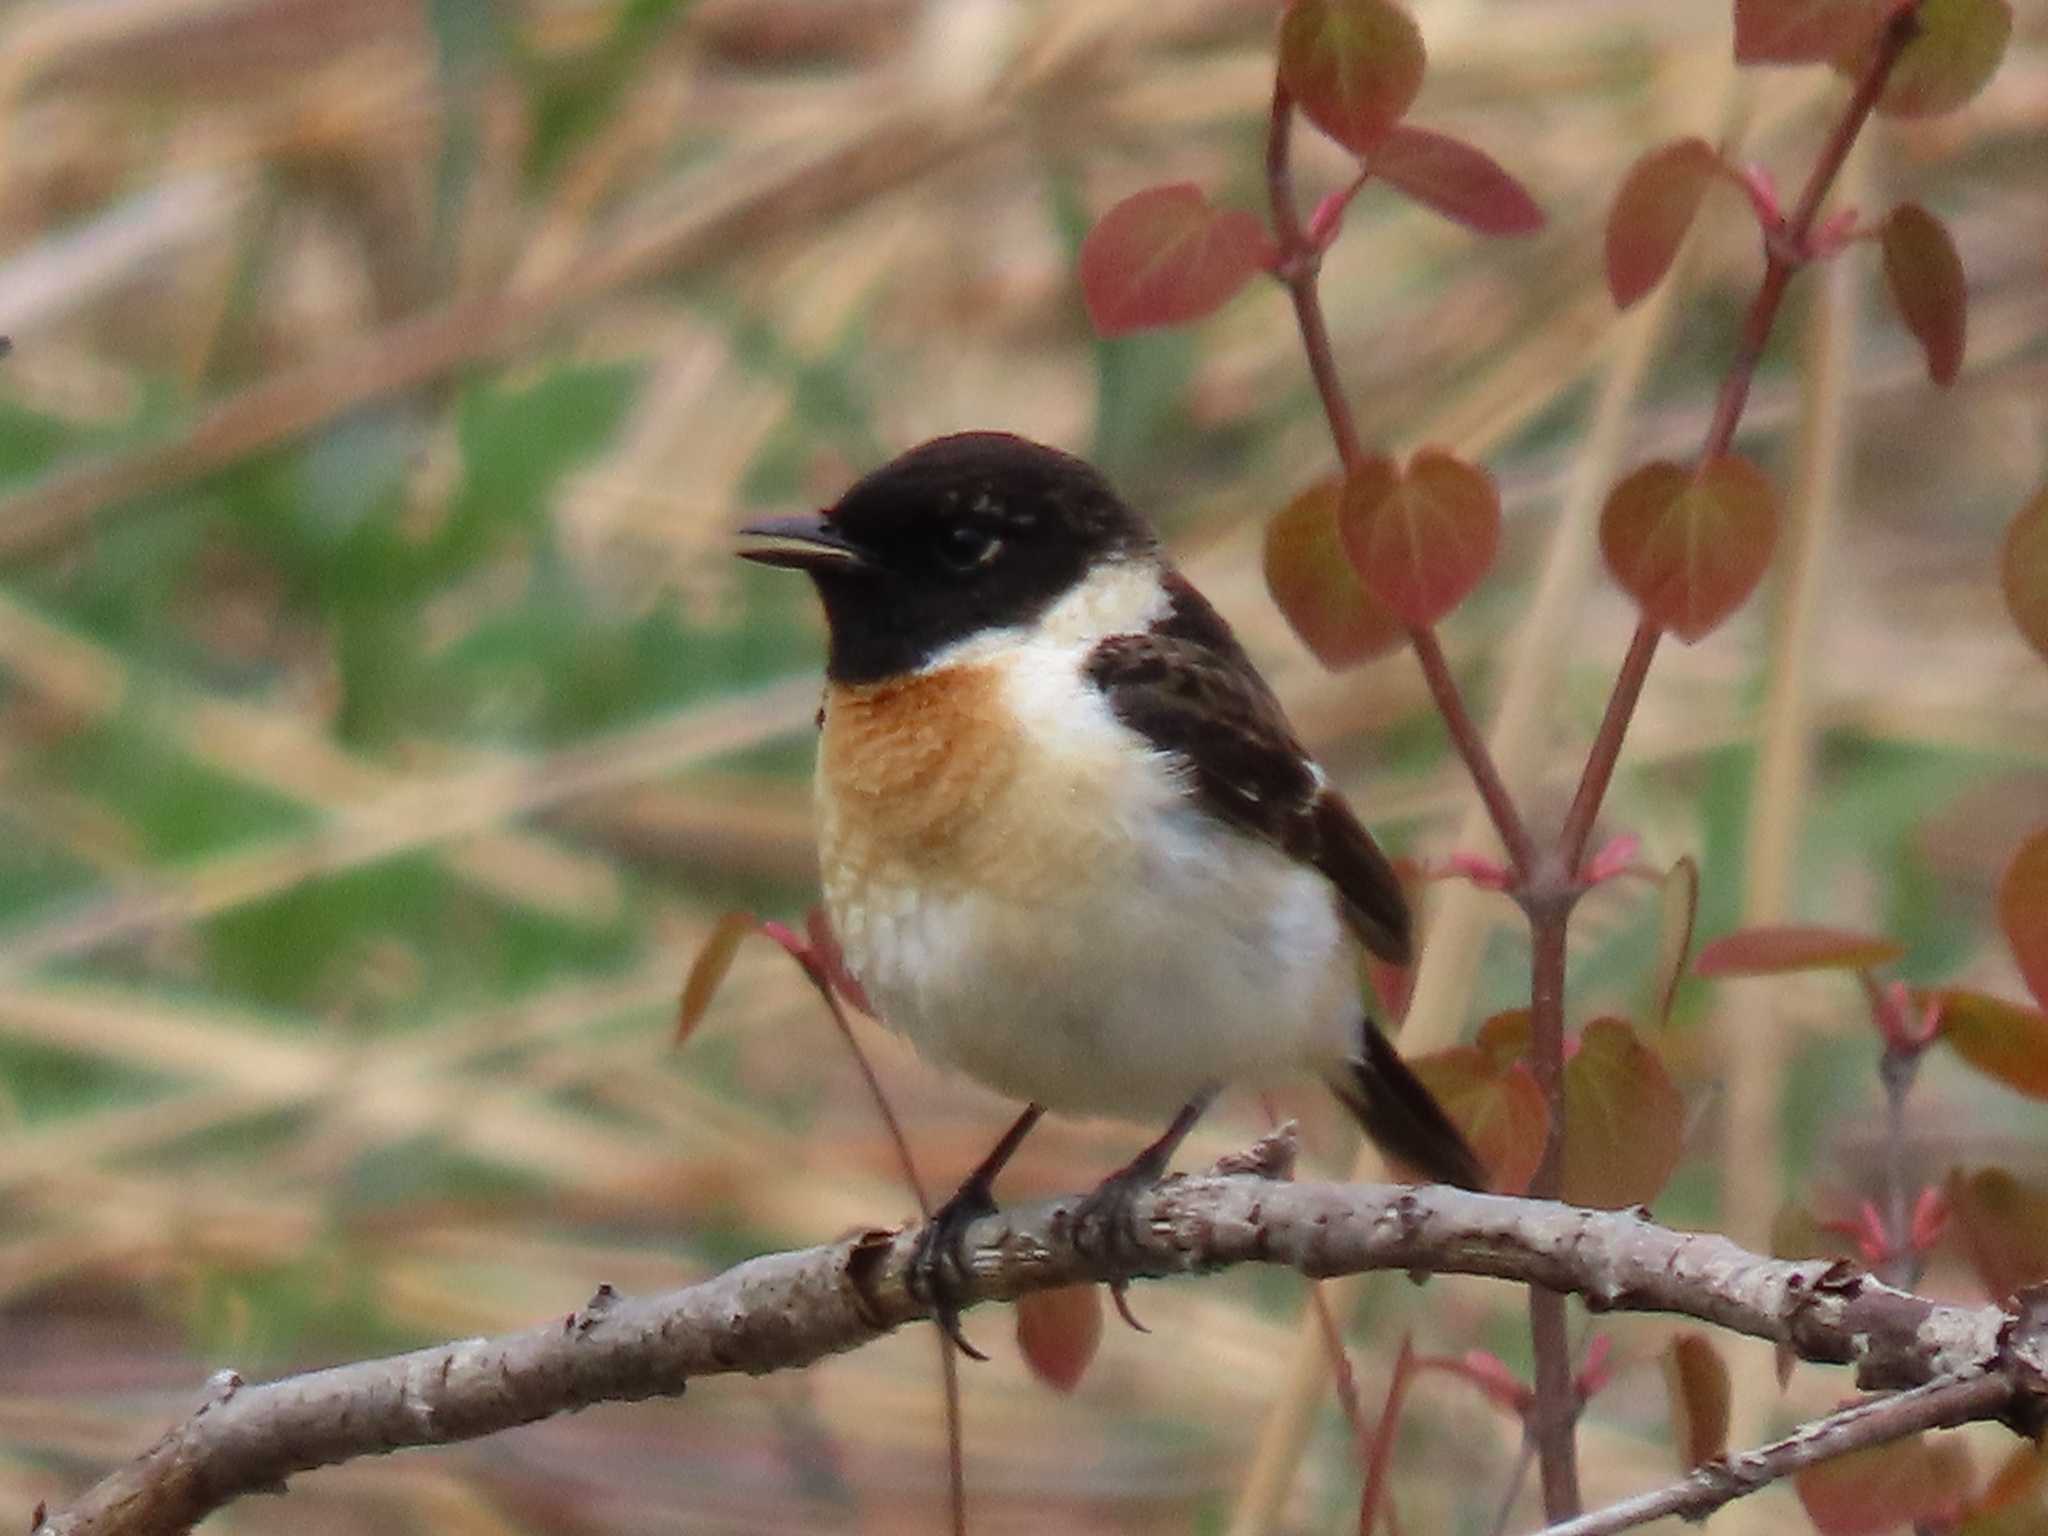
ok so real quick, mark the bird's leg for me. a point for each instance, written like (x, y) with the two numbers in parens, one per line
(1102, 1221)
(938, 1264)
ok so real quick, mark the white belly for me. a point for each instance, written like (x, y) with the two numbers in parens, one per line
(1206, 959)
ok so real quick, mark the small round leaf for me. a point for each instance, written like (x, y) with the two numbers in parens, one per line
(1926, 280)
(1165, 256)
(1690, 547)
(1696, 1382)
(2023, 572)
(1457, 180)
(1956, 49)
(1315, 587)
(1058, 1332)
(1678, 908)
(1497, 1105)
(2023, 912)
(2003, 1226)
(1652, 212)
(708, 970)
(1886, 1487)
(1773, 949)
(1624, 1121)
(1422, 540)
(1353, 65)
(1801, 31)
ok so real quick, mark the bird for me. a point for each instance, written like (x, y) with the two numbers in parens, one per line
(1068, 842)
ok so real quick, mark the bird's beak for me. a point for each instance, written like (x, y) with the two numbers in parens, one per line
(808, 541)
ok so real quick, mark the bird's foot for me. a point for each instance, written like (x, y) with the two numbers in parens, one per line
(938, 1264)
(1104, 1223)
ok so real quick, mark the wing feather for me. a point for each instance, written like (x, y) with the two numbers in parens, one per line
(1188, 688)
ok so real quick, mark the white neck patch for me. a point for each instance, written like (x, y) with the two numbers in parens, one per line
(1118, 597)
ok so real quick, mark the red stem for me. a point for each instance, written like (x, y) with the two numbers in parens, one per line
(1381, 1453)
(1296, 268)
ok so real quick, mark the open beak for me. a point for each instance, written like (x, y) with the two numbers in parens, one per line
(805, 542)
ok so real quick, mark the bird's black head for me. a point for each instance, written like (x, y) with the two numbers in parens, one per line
(966, 533)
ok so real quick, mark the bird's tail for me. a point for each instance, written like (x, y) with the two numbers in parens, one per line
(1402, 1117)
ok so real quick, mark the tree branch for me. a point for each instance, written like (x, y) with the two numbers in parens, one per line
(787, 1310)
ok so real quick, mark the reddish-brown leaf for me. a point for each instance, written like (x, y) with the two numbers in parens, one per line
(1313, 584)
(2005, 1041)
(1353, 65)
(1801, 31)
(1957, 49)
(1457, 180)
(1775, 948)
(708, 970)
(1504, 1037)
(2023, 572)
(1696, 1383)
(1165, 256)
(1678, 906)
(1422, 540)
(1497, 1105)
(1652, 212)
(1926, 280)
(1886, 1486)
(1058, 1332)
(1624, 1121)
(2003, 1225)
(2011, 1503)
(1690, 547)
(2023, 911)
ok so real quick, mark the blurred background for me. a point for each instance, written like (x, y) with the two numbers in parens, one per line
(384, 721)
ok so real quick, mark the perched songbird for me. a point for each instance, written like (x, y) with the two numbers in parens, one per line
(1069, 844)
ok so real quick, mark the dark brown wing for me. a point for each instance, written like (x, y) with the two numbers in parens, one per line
(1189, 689)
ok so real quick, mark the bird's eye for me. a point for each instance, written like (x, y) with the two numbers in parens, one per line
(966, 548)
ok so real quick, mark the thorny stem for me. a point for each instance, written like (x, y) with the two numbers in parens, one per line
(1296, 269)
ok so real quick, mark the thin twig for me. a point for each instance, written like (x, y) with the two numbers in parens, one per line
(1937, 1405)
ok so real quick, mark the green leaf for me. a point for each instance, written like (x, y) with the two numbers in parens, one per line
(1696, 1385)
(1353, 65)
(1926, 280)
(1955, 51)
(1772, 949)
(2002, 1040)
(1624, 1121)
(1651, 213)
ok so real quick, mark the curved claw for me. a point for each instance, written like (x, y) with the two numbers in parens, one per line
(939, 1260)
(1119, 1293)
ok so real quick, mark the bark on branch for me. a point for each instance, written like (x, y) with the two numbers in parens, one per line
(787, 1310)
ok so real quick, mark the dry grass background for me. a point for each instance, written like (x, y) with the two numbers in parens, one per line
(383, 720)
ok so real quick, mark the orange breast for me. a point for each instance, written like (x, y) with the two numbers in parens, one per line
(912, 772)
